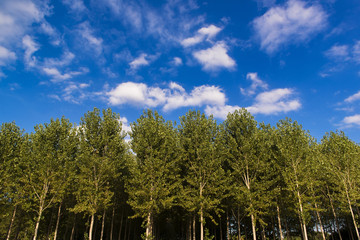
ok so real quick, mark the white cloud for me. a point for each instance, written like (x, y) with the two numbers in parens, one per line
(176, 86)
(356, 52)
(74, 92)
(169, 98)
(294, 22)
(53, 72)
(16, 18)
(125, 124)
(30, 48)
(139, 61)
(214, 58)
(202, 34)
(88, 36)
(66, 58)
(338, 52)
(220, 112)
(192, 41)
(199, 96)
(256, 83)
(353, 98)
(75, 5)
(177, 61)
(350, 121)
(275, 101)
(6, 56)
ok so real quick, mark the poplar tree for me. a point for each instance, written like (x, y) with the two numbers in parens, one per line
(203, 173)
(248, 159)
(153, 183)
(45, 156)
(344, 159)
(101, 153)
(294, 147)
(11, 138)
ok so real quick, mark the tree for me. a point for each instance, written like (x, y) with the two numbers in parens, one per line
(153, 183)
(46, 155)
(101, 153)
(344, 158)
(248, 160)
(294, 147)
(11, 138)
(203, 174)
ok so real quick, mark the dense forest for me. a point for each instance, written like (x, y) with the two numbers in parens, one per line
(195, 179)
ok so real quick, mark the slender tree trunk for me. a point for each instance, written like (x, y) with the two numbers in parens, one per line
(263, 232)
(194, 227)
(91, 226)
(57, 221)
(129, 232)
(201, 224)
(279, 221)
(253, 226)
(302, 218)
(11, 223)
(103, 225)
(227, 225)
(121, 223)
(320, 223)
(112, 223)
(38, 222)
(73, 229)
(334, 213)
(126, 223)
(352, 214)
(188, 234)
(221, 232)
(149, 226)
(238, 224)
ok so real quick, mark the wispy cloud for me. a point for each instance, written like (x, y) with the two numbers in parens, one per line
(294, 22)
(30, 47)
(351, 121)
(215, 58)
(139, 61)
(204, 33)
(256, 83)
(6, 56)
(353, 98)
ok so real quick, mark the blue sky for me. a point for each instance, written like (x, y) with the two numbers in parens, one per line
(293, 58)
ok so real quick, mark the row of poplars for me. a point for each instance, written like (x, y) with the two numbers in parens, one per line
(195, 180)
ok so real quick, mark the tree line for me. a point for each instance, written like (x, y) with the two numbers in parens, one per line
(195, 179)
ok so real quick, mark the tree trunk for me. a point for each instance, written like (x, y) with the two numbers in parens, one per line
(91, 226)
(279, 221)
(302, 218)
(126, 223)
(149, 226)
(253, 225)
(11, 223)
(238, 224)
(227, 225)
(319, 219)
(352, 214)
(38, 222)
(129, 232)
(121, 222)
(102, 225)
(73, 229)
(57, 222)
(194, 227)
(334, 213)
(112, 223)
(201, 224)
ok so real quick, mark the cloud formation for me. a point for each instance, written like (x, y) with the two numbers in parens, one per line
(169, 98)
(294, 22)
(352, 121)
(256, 83)
(215, 58)
(204, 33)
(353, 97)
